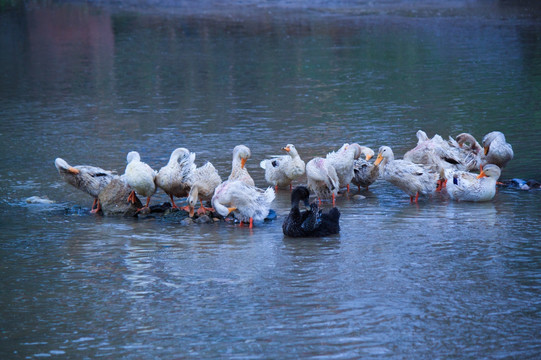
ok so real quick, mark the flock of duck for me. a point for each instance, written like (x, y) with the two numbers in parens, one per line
(433, 165)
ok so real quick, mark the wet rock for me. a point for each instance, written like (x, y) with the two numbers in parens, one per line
(161, 209)
(204, 219)
(187, 221)
(175, 215)
(358, 197)
(39, 200)
(114, 199)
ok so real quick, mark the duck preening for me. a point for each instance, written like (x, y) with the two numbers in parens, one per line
(312, 222)
(90, 179)
(465, 186)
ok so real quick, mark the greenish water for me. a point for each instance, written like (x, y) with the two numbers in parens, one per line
(89, 83)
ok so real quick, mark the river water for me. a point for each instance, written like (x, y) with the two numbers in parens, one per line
(91, 82)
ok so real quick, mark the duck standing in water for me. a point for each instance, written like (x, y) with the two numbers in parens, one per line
(343, 162)
(411, 178)
(282, 170)
(312, 222)
(465, 186)
(322, 178)
(365, 172)
(173, 177)
(90, 179)
(139, 177)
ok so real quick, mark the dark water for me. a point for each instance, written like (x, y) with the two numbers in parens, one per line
(90, 83)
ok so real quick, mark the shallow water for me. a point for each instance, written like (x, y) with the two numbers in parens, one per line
(434, 280)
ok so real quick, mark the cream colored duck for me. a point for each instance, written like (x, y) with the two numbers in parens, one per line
(90, 179)
(173, 177)
(248, 203)
(413, 179)
(469, 149)
(342, 161)
(282, 170)
(140, 177)
(365, 172)
(436, 153)
(497, 151)
(203, 181)
(465, 186)
(322, 179)
(241, 154)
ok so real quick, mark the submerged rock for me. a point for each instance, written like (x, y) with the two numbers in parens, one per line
(114, 199)
(39, 200)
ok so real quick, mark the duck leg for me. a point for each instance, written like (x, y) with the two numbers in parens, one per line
(131, 198)
(173, 202)
(333, 199)
(251, 223)
(98, 206)
(202, 210)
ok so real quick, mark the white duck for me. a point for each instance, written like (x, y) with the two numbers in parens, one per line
(413, 179)
(497, 150)
(247, 202)
(436, 153)
(342, 161)
(241, 154)
(322, 179)
(465, 186)
(172, 178)
(469, 149)
(365, 172)
(203, 181)
(282, 170)
(140, 177)
(90, 179)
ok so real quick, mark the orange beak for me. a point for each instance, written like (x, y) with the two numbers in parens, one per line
(378, 160)
(482, 174)
(231, 209)
(192, 211)
(486, 149)
(73, 170)
(368, 157)
(242, 163)
(286, 148)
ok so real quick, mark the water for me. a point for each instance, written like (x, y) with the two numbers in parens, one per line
(90, 83)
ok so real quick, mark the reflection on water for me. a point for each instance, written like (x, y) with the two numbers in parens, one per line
(436, 279)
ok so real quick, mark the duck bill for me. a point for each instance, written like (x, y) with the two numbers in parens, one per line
(73, 170)
(242, 163)
(481, 175)
(486, 150)
(286, 148)
(192, 211)
(378, 160)
(368, 157)
(231, 209)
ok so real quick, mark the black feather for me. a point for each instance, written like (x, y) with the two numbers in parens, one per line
(309, 223)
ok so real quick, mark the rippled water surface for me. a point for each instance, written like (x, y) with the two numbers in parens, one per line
(439, 279)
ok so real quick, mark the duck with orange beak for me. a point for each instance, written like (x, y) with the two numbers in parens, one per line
(365, 172)
(465, 186)
(283, 170)
(90, 179)
(241, 153)
(413, 179)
